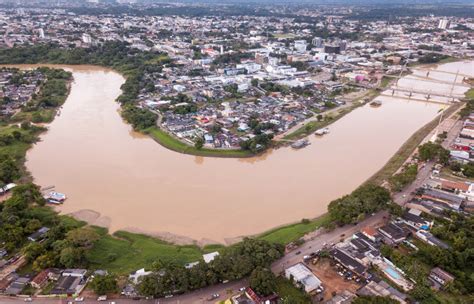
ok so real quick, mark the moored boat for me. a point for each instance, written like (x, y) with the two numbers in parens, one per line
(300, 144)
(376, 103)
(55, 197)
(321, 132)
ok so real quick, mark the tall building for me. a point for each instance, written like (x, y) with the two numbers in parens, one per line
(444, 24)
(86, 38)
(300, 45)
(317, 42)
(41, 33)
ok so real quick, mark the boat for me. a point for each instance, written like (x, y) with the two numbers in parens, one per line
(55, 197)
(321, 132)
(300, 144)
(376, 103)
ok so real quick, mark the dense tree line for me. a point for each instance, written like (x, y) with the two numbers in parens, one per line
(231, 58)
(24, 213)
(139, 118)
(354, 207)
(133, 63)
(404, 178)
(433, 152)
(257, 143)
(233, 263)
(431, 58)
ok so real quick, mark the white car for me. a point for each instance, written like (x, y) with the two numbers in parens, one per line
(79, 299)
(28, 300)
(102, 298)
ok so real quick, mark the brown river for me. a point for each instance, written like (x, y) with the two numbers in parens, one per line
(122, 180)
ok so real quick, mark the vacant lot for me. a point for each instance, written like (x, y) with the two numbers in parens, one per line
(332, 281)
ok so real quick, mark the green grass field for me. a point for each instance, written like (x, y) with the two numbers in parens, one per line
(124, 252)
(286, 234)
(172, 143)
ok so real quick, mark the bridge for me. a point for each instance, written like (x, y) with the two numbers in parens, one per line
(416, 99)
(427, 93)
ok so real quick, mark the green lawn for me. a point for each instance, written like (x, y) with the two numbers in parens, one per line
(124, 252)
(172, 143)
(286, 290)
(290, 233)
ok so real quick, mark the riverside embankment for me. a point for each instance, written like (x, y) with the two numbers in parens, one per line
(132, 183)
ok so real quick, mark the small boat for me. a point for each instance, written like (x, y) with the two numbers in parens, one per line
(376, 103)
(321, 132)
(55, 197)
(300, 144)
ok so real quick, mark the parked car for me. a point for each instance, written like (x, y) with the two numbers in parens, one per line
(79, 299)
(102, 298)
(28, 300)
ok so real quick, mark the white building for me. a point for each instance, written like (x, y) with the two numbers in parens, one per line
(444, 24)
(302, 275)
(86, 38)
(300, 45)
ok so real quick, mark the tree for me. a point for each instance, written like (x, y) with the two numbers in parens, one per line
(364, 200)
(104, 284)
(263, 281)
(72, 257)
(199, 143)
(83, 237)
(432, 151)
(32, 251)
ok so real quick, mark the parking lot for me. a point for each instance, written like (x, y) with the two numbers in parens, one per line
(332, 278)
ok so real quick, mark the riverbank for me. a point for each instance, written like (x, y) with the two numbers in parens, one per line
(169, 142)
(25, 127)
(407, 149)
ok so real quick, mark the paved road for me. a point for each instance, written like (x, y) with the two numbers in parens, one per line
(319, 242)
(225, 290)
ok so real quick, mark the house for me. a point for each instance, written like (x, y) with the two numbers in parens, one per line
(371, 233)
(17, 286)
(80, 273)
(348, 261)
(38, 235)
(431, 239)
(393, 234)
(258, 299)
(242, 299)
(67, 285)
(302, 275)
(382, 289)
(344, 297)
(449, 199)
(414, 219)
(40, 279)
(209, 257)
(439, 278)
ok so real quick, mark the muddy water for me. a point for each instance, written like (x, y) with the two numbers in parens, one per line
(116, 178)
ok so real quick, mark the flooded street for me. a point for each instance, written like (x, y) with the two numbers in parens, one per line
(131, 182)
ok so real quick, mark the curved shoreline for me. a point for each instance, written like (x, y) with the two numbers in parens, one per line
(157, 234)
